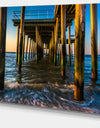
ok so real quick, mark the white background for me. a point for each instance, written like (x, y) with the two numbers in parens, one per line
(19, 116)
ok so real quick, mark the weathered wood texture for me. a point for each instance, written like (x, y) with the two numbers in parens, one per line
(30, 49)
(59, 49)
(21, 39)
(63, 40)
(46, 48)
(69, 45)
(17, 44)
(27, 47)
(39, 46)
(56, 40)
(52, 46)
(34, 48)
(71, 50)
(79, 51)
(3, 22)
(23, 44)
(94, 40)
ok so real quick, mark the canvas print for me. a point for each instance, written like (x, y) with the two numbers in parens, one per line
(50, 56)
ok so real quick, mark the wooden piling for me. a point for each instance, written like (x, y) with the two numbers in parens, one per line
(71, 50)
(27, 47)
(52, 46)
(79, 51)
(17, 44)
(59, 49)
(3, 22)
(94, 59)
(63, 40)
(37, 58)
(50, 49)
(33, 48)
(46, 49)
(56, 40)
(39, 45)
(30, 49)
(21, 39)
(23, 44)
(69, 47)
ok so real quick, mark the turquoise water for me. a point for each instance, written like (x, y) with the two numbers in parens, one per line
(41, 85)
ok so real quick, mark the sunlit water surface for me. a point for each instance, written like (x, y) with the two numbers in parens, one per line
(41, 85)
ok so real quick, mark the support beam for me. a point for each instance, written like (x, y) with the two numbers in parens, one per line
(79, 51)
(50, 49)
(94, 40)
(56, 40)
(21, 39)
(36, 44)
(17, 44)
(63, 40)
(71, 50)
(69, 47)
(59, 49)
(52, 45)
(46, 49)
(27, 47)
(3, 21)
(23, 44)
(39, 46)
(30, 49)
(33, 48)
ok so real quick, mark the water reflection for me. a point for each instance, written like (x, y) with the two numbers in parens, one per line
(43, 86)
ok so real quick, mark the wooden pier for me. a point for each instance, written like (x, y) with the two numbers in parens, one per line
(52, 32)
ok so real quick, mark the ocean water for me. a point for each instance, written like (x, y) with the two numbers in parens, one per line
(41, 85)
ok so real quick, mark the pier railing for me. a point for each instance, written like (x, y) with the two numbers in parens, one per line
(35, 14)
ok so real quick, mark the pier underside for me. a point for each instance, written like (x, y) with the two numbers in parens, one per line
(47, 36)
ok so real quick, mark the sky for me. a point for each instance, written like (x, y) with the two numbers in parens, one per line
(11, 37)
